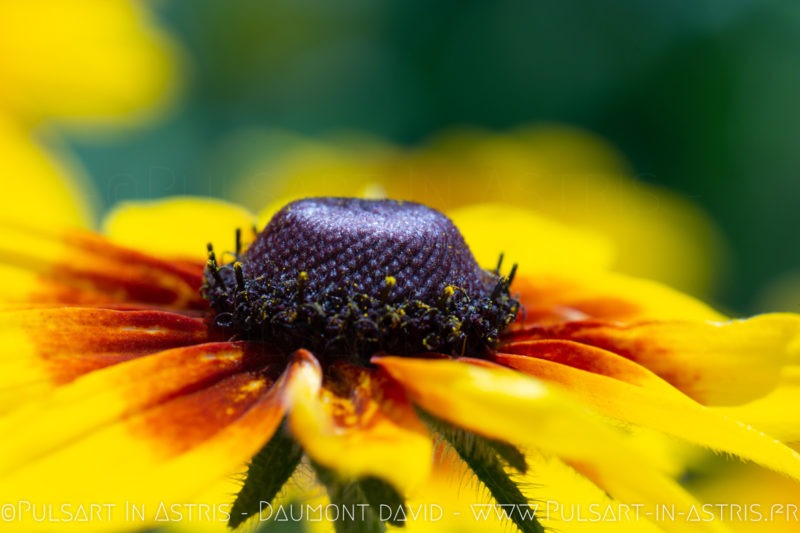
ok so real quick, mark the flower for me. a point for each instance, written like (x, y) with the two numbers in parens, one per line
(82, 62)
(123, 390)
(87, 65)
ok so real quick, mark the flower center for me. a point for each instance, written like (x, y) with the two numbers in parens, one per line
(352, 277)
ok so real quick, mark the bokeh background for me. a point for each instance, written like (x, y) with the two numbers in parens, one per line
(700, 97)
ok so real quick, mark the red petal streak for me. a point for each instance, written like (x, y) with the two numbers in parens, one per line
(549, 300)
(127, 389)
(127, 275)
(72, 341)
(580, 356)
(82, 268)
(153, 431)
(363, 397)
(189, 419)
(355, 420)
(716, 363)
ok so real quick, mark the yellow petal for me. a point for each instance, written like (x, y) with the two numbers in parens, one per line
(178, 227)
(532, 241)
(99, 60)
(493, 401)
(576, 178)
(611, 385)
(39, 189)
(96, 398)
(150, 433)
(751, 499)
(776, 413)
(452, 501)
(43, 348)
(507, 405)
(716, 363)
(359, 429)
(573, 504)
(556, 298)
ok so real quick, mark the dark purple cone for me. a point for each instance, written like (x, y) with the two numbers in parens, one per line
(345, 276)
(349, 240)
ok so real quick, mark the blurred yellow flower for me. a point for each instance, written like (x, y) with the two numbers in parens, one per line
(82, 64)
(82, 61)
(569, 176)
(43, 186)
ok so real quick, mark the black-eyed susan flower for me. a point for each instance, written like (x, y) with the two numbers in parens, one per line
(356, 346)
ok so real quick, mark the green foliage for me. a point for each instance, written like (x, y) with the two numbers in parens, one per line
(268, 472)
(363, 499)
(489, 460)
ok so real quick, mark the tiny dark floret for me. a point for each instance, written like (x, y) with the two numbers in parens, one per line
(352, 277)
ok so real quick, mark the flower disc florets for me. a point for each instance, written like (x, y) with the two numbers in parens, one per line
(352, 277)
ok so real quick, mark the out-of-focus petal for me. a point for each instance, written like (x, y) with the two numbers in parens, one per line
(535, 243)
(453, 502)
(360, 424)
(777, 412)
(614, 386)
(716, 363)
(556, 298)
(39, 189)
(287, 167)
(91, 60)
(575, 177)
(750, 499)
(54, 266)
(572, 504)
(179, 420)
(179, 227)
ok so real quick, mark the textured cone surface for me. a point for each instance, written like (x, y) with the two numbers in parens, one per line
(348, 240)
(344, 276)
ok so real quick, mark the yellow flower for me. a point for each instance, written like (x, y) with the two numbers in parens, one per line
(84, 61)
(125, 397)
(80, 64)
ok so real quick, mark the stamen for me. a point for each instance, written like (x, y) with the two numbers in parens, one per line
(388, 284)
(238, 243)
(302, 283)
(511, 275)
(211, 265)
(499, 264)
(240, 285)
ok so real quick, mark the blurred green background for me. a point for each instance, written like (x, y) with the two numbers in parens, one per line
(702, 97)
